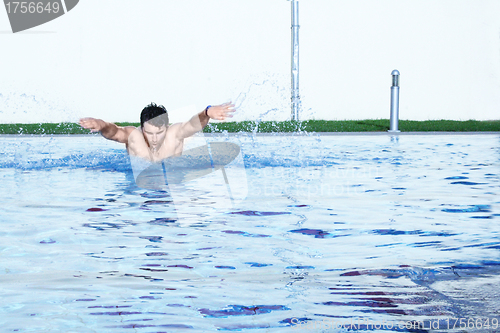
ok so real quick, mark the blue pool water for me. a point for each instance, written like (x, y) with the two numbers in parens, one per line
(343, 229)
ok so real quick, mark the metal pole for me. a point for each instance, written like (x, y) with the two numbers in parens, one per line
(395, 101)
(295, 60)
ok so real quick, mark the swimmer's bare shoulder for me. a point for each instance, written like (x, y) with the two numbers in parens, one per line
(173, 130)
(136, 145)
(174, 141)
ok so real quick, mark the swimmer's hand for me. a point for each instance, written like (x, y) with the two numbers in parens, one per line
(221, 112)
(94, 125)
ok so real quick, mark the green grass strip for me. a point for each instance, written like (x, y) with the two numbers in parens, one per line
(375, 125)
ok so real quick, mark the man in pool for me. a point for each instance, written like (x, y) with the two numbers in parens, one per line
(156, 139)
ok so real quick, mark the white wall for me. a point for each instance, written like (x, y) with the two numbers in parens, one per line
(110, 58)
(448, 53)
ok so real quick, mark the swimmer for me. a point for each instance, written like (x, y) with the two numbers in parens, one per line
(156, 139)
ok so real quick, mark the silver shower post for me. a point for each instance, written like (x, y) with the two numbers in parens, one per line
(395, 101)
(295, 60)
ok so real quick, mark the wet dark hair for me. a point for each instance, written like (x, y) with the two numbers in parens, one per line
(155, 115)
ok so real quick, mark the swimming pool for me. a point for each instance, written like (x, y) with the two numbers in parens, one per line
(335, 230)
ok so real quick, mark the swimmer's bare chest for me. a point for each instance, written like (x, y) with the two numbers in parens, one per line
(171, 146)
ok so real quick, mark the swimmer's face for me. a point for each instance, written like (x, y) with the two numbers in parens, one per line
(155, 136)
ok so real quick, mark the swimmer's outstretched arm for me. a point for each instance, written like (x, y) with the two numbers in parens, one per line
(200, 120)
(108, 130)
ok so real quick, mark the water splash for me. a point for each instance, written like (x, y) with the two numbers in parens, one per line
(34, 107)
(116, 160)
(251, 104)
